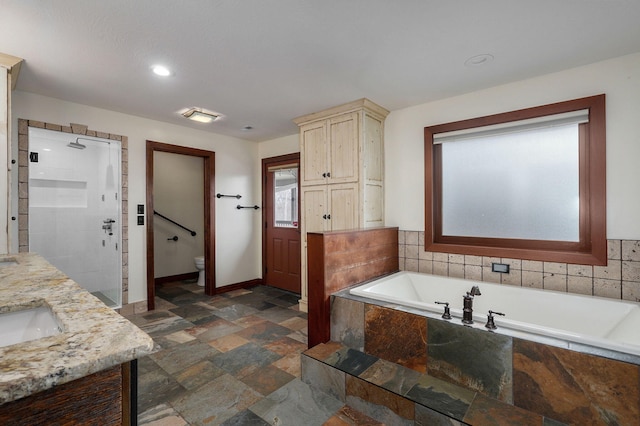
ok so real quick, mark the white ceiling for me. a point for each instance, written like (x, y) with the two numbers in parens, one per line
(263, 62)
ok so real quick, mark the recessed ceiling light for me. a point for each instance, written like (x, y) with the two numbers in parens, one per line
(478, 60)
(247, 128)
(161, 70)
(200, 115)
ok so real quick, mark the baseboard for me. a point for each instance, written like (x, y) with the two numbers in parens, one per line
(238, 286)
(174, 278)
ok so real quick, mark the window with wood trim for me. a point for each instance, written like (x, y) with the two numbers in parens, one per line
(526, 184)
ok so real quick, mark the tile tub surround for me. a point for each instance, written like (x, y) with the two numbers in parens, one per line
(94, 336)
(393, 394)
(557, 383)
(620, 279)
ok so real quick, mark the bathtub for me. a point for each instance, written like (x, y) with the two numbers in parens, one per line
(564, 317)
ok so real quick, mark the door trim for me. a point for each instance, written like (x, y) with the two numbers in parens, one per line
(266, 163)
(209, 215)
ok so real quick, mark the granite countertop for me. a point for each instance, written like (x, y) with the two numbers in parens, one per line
(94, 337)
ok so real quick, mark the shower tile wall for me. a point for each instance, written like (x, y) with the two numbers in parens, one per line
(23, 185)
(620, 279)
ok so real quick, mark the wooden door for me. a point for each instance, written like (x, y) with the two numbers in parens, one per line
(282, 226)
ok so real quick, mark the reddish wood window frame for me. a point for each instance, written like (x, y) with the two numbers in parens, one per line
(591, 249)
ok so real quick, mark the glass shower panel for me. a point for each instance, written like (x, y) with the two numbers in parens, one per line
(74, 209)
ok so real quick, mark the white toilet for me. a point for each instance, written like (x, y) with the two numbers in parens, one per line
(199, 260)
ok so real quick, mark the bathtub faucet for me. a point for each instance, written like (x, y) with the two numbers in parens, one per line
(467, 311)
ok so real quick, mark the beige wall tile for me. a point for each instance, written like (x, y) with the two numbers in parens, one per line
(580, 270)
(555, 268)
(456, 270)
(487, 261)
(411, 265)
(441, 268)
(401, 250)
(411, 252)
(580, 285)
(472, 260)
(513, 263)
(490, 276)
(401, 264)
(425, 255)
(456, 258)
(532, 265)
(631, 250)
(473, 272)
(514, 277)
(425, 266)
(607, 288)
(613, 270)
(557, 282)
(631, 271)
(421, 239)
(631, 291)
(614, 249)
(411, 237)
(401, 239)
(441, 257)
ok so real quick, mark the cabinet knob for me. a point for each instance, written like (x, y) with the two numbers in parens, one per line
(324, 175)
(328, 216)
(328, 174)
(324, 216)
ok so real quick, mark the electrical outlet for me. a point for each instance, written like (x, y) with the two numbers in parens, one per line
(502, 268)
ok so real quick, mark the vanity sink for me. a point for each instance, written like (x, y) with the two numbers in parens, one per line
(27, 324)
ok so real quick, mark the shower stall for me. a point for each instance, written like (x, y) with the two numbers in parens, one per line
(75, 209)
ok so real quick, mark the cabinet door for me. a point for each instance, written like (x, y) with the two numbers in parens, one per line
(343, 148)
(313, 153)
(314, 208)
(343, 205)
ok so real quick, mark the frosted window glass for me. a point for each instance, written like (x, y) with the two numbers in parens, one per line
(522, 185)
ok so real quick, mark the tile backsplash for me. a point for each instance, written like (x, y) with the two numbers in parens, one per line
(620, 279)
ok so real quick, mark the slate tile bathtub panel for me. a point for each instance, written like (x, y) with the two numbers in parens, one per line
(347, 322)
(573, 387)
(385, 406)
(391, 376)
(428, 417)
(487, 411)
(441, 396)
(476, 359)
(350, 361)
(385, 327)
(323, 377)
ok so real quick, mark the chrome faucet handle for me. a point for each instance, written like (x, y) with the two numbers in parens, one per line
(447, 312)
(491, 325)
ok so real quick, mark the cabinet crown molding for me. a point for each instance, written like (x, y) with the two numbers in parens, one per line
(363, 103)
(12, 64)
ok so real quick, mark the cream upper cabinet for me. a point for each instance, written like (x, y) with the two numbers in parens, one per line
(329, 150)
(342, 171)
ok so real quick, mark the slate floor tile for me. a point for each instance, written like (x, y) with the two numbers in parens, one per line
(267, 379)
(244, 356)
(217, 356)
(216, 401)
(297, 404)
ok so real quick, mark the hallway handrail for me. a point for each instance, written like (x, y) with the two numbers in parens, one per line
(193, 233)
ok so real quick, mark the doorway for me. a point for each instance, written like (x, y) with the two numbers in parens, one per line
(281, 235)
(208, 171)
(75, 217)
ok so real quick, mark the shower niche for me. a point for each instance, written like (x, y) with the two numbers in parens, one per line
(75, 217)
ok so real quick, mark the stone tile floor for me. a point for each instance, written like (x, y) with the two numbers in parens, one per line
(230, 359)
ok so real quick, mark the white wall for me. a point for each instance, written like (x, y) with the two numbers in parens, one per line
(280, 146)
(618, 78)
(238, 250)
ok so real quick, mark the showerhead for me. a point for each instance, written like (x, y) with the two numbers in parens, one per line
(76, 145)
